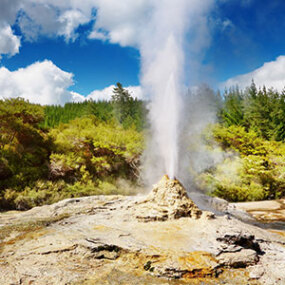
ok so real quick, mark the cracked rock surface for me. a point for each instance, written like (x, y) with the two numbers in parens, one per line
(161, 238)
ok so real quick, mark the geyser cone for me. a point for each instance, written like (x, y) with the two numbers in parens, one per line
(167, 200)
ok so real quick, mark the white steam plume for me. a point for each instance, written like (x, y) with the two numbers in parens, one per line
(163, 80)
(162, 52)
(199, 110)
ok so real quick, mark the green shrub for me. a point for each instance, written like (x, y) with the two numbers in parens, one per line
(253, 169)
(48, 192)
(103, 149)
(237, 139)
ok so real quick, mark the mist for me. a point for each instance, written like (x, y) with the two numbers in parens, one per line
(200, 106)
(164, 42)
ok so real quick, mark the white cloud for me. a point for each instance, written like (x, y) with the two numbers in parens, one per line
(76, 97)
(227, 24)
(47, 17)
(136, 92)
(97, 35)
(9, 43)
(71, 19)
(45, 83)
(8, 11)
(41, 82)
(123, 21)
(120, 22)
(38, 19)
(106, 93)
(271, 74)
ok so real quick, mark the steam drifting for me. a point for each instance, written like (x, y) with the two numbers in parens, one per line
(162, 51)
(162, 78)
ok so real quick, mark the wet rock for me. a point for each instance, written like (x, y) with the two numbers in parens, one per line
(220, 206)
(206, 202)
(266, 211)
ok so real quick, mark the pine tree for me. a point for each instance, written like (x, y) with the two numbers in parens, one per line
(233, 111)
(123, 103)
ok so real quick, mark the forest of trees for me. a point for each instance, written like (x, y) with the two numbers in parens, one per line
(128, 111)
(48, 153)
(262, 111)
(250, 137)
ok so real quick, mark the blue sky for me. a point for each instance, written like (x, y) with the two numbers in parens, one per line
(255, 35)
(98, 42)
(95, 64)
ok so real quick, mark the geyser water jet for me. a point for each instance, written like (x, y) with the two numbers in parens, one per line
(162, 44)
(165, 124)
(171, 110)
(163, 80)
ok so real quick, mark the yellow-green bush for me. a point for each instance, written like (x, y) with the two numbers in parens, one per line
(48, 192)
(86, 156)
(103, 149)
(253, 171)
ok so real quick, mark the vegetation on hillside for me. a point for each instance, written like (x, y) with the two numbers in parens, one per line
(250, 136)
(53, 152)
(262, 111)
(251, 169)
(126, 110)
(48, 153)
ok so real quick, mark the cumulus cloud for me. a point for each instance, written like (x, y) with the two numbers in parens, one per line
(51, 19)
(123, 21)
(271, 74)
(116, 21)
(119, 22)
(71, 20)
(76, 97)
(46, 17)
(45, 83)
(37, 19)
(9, 43)
(41, 82)
(8, 11)
(98, 35)
(106, 93)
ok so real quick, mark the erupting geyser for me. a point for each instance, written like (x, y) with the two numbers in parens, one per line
(168, 200)
(162, 78)
(166, 126)
(162, 55)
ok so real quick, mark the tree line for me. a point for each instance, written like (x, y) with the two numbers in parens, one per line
(48, 153)
(128, 111)
(261, 110)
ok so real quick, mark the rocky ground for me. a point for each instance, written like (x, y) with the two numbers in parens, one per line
(265, 211)
(161, 238)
